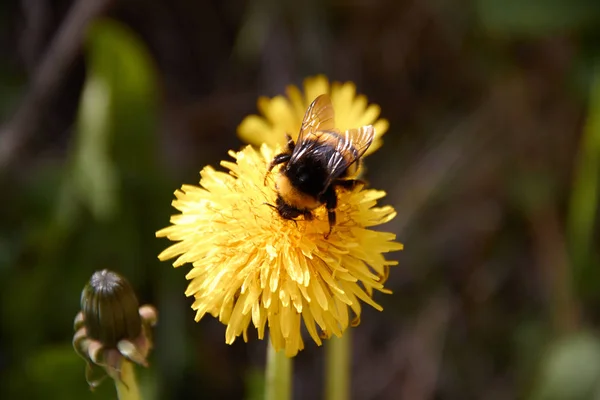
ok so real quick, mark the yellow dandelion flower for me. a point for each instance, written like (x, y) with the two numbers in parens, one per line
(249, 265)
(281, 115)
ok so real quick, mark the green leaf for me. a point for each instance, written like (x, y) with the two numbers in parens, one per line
(116, 119)
(94, 174)
(120, 58)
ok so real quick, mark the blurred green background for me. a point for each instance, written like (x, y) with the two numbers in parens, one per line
(492, 161)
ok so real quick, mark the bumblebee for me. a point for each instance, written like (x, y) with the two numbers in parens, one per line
(321, 160)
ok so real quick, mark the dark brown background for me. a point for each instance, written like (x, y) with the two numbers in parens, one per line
(492, 132)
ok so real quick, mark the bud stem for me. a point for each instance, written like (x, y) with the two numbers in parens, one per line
(337, 372)
(279, 375)
(127, 388)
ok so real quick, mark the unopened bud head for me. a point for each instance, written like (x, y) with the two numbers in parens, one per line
(110, 309)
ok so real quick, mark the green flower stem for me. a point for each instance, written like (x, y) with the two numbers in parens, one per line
(127, 388)
(337, 378)
(279, 375)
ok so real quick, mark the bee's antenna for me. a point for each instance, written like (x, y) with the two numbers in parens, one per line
(270, 205)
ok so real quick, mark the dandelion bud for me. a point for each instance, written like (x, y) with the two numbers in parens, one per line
(112, 328)
(110, 308)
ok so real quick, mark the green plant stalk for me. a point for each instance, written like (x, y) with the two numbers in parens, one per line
(584, 196)
(127, 387)
(338, 357)
(278, 385)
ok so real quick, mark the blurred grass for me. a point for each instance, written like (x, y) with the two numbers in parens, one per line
(570, 367)
(89, 228)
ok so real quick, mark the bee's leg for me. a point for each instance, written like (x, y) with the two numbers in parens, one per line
(283, 157)
(290, 143)
(308, 215)
(279, 159)
(349, 184)
(330, 199)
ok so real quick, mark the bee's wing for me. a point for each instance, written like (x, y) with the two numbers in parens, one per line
(318, 117)
(356, 141)
(350, 147)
